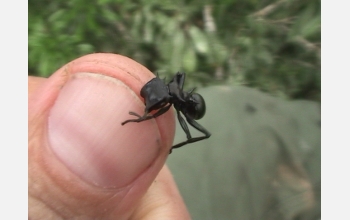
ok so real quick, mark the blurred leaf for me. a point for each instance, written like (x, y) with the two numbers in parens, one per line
(178, 47)
(57, 15)
(307, 23)
(148, 32)
(110, 15)
(311, 27)
(219, 51)
(265, 56)
(170, 27)
(85, 48)
(189, 60)
(199, 40)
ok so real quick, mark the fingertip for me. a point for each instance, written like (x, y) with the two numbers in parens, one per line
(78, 113)
(99, 99)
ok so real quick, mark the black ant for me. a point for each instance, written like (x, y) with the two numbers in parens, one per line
(160, 96)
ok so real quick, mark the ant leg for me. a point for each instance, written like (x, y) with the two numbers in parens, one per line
(183, 124)
(146, 116)
(192, 140)
(158, 113)
(135, 114)
(180, 79)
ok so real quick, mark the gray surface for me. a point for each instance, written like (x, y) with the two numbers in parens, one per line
(262, 162)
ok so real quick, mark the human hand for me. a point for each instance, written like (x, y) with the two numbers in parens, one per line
(82, 163)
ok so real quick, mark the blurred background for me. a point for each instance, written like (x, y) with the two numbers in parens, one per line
(274, 46)
(256, 63)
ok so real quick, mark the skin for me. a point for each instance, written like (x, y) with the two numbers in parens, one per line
(82, 164)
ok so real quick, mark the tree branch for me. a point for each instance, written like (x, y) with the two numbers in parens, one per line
(268, 9)
(308, 45)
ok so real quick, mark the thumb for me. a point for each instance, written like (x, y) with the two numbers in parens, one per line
(82, 162)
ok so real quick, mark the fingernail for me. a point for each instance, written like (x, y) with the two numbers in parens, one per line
(86, 134)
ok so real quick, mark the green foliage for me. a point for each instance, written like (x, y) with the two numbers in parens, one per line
(271, 45)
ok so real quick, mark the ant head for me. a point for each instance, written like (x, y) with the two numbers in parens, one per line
(196, 106)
